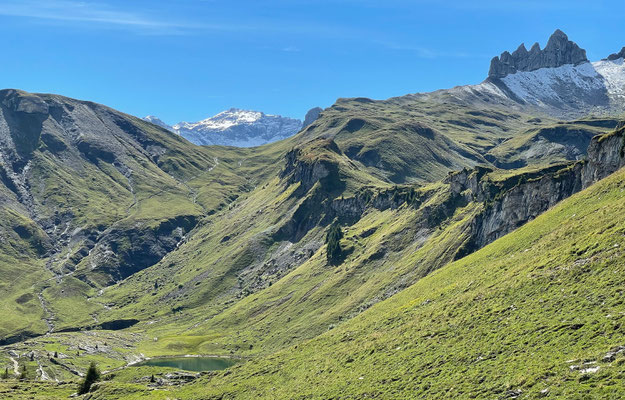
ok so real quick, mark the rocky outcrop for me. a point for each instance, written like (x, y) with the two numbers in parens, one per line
(311, 116)
(606, 154)
(24, 114)
(523, 202)
(511, 203)
(123, 251)
(616, 56)
(312, 163)
(558, 52)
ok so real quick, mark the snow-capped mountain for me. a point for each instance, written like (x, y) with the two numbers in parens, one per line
(235, 127)
(558, 81)
(157, 121)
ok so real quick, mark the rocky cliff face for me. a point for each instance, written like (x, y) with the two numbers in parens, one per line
(606, 154)
(312, 163)
(516, 202)
(522, 203)
(558, 52)
(507, 204)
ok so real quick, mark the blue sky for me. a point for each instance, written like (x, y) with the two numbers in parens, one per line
(190, 59)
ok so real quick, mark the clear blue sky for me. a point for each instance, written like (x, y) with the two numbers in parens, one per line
(189, 59)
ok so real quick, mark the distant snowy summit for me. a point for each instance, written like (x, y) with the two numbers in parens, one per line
(157, 121)
(235, 127)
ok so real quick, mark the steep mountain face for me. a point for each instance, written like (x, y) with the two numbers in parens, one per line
(91, 196)
(234, 127)
(239, 128)
(526, 196)
(558, 81)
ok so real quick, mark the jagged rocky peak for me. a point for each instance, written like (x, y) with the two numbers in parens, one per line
(558, 52)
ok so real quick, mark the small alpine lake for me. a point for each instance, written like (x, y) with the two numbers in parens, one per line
(195, 364)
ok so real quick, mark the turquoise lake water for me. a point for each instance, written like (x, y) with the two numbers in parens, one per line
(195, 364)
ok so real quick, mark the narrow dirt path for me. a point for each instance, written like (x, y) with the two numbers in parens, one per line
(132, 191)
(16, 366)
(49, 318)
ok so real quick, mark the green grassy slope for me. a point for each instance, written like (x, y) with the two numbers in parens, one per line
(407, 140)
(238, 287)
(539, 310)
(257, 299)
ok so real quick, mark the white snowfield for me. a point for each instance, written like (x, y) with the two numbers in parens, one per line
(224, 120)
(235, 127)
(569, 90)
(544, 84)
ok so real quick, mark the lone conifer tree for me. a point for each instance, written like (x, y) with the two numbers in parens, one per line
(333, 239)
(92, 376)
(23, 374)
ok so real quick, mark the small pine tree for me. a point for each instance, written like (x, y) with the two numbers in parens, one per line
(56, 354)
(92, 376)
(32, 356)
(23, 374)
(152, 379)
(6, 373)
(333, 239)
